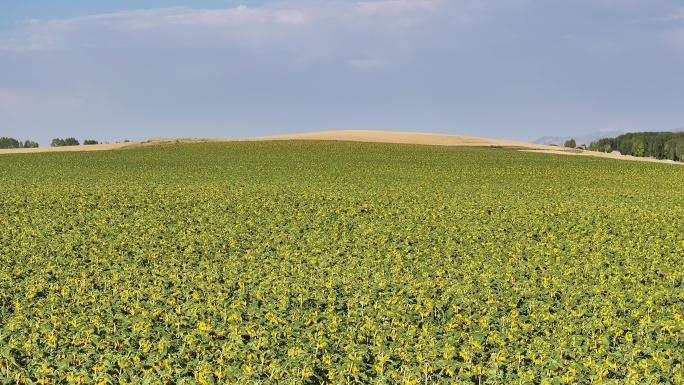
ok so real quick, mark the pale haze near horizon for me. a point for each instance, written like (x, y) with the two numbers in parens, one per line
(515, 69)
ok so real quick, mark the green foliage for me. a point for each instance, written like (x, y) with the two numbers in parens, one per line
(89, 141)
(315, 262)
(6, 142)
(570, 143)
(64, 142)
(660, 145)
(638, 148)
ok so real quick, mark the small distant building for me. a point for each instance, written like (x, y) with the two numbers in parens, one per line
(581, 147)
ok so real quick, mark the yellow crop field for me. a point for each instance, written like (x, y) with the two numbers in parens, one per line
(335, 262)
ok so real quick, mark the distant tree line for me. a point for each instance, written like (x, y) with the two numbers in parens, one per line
(57, 142)
(6, 142)
(660, 145)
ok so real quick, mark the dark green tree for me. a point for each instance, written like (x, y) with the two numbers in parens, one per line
(670, 150)
(570, 143)
(638, 147)
(89, 141)
(57, 143)
(64, 142)
(71, 142)
(6, 142)
(660, 145)
(679, 149)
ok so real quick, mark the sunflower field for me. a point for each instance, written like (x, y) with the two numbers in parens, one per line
(303, 262)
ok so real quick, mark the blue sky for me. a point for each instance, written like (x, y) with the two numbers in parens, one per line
(509, 69)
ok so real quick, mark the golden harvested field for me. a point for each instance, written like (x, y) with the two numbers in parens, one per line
(404, 137)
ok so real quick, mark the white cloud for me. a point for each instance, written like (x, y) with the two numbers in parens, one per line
(298, 32)
(240, 25)
(128, 26)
